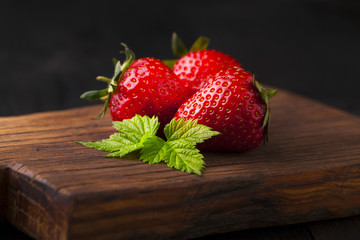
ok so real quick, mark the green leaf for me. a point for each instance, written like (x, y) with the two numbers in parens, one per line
(139, 133)
(200, 44)
(154, 151)
(178, 47)
(179, 150)
(188, 131)
(94, 94)
(138, 126)
(125, 150)
(106, 145)
(131, 137)
(170, 62)
(185, 158)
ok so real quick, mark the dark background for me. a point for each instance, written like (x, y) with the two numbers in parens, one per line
(51, 53)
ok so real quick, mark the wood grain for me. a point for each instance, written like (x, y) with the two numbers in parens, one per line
(3, 193)
(56, 189)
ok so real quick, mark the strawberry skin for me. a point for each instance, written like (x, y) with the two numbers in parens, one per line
(147, 87)
(231, 103)
(196, 67)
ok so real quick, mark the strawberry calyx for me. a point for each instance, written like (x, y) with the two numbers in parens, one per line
(266, 94)
(179, 49)
(105, 94)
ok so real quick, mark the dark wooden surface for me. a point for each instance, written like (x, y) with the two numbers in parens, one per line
(336, 229)
(56, 189)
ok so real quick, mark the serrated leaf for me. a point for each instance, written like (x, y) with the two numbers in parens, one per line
(139, 133)
(125, 150)
(133, 133)
(138, 126)
(185, 158)
(154, 151)
(189, 131)
(106, 145)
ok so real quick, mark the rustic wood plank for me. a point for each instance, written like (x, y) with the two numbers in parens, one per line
(3, 193)
(289, 232)
(56, 189)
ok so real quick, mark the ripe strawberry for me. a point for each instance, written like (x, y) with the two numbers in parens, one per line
(148, 87)
(195, 68)
(145, 87)
(233, 103)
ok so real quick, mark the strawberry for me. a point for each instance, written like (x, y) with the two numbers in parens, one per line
(144, 86)
(195, 68)
(148, 87)
(235, 104)
(196, 65)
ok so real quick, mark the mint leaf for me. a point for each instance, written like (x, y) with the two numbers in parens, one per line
(131, 137)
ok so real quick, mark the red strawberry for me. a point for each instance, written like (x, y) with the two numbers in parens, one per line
(196, 67)
(145, 87)
(148, 87)
(233, 103)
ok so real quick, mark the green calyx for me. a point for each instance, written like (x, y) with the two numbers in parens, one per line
(266, 94)
(179, 49)
(105, 94)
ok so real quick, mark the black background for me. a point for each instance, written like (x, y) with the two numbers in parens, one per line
(52, 52)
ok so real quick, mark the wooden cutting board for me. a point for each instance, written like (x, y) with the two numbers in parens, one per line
(53, 188)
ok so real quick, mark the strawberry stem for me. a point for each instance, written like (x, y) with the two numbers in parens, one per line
(178, 47)
(266, 94)
(103, 79)
(200, 44)
(106, 94)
